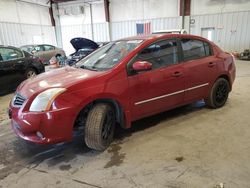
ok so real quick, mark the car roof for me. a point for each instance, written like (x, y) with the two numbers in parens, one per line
(28, 45)
(163, 35)
(36, 45)
(7, 46)
(177, 31)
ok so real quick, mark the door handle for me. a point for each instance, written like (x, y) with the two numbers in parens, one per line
(177, 74)
(211, 64)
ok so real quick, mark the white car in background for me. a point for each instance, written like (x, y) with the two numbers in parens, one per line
(173, 31)
(44, 51)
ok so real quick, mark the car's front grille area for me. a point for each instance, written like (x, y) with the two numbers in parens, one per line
(18, 100)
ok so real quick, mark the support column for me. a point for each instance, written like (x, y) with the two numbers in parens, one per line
(58, 32)
(91, 21)
(107, 18)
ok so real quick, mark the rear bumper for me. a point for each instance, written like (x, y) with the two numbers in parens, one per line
(43, 127)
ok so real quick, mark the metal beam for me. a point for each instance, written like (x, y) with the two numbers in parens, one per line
(38, 4)
(91, 20)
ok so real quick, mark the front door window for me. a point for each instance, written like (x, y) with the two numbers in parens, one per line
(160, 54)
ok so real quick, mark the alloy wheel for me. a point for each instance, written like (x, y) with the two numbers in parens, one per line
(108, 125)
(31, 74)
(221, 93)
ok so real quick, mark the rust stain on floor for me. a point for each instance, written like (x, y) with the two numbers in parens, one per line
(116, 158)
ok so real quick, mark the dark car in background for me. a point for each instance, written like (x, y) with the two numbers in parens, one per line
(245, 55)
(44, 51)
(15, 66)
(83, 47)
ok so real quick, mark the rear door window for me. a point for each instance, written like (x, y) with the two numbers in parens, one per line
(208, 49)
(192, 49)
(195, 49)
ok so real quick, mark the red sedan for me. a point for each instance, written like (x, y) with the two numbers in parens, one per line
(121, 82)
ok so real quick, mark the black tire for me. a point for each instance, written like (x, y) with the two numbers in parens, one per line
(100, 126)
(219, 94)
(30, 72)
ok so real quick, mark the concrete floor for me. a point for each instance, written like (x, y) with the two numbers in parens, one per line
(191, 147)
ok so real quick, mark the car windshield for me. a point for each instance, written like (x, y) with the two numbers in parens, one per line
(27, 48)
(108, 56)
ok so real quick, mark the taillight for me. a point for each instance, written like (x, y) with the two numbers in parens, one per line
(233, 57)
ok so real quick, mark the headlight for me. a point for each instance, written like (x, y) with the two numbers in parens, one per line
(43, 101)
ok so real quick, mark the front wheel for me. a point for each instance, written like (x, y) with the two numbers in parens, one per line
(100, 126)
(30, 73)
(218, 94)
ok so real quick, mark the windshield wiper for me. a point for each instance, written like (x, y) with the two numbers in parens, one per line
(89, 68)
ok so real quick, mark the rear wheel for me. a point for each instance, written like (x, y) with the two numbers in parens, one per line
(219, 93)
(30, 73)
(100, 126)
(58, 55)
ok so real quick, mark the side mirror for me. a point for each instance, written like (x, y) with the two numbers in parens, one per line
(142, 66)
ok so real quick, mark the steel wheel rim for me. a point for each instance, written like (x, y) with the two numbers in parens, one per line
(108, 125)
(31, 74)
(221, 93)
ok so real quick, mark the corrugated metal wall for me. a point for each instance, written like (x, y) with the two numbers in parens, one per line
(118, 30)
(17, 34)
(128, 28)
(231, 29)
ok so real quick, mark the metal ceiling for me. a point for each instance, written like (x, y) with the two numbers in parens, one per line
(83, 1)
(61, 1)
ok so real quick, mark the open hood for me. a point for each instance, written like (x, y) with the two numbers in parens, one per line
(81, 43)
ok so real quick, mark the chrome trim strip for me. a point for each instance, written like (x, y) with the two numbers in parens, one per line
(162, 96)
(196, 87)
(170, 94)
